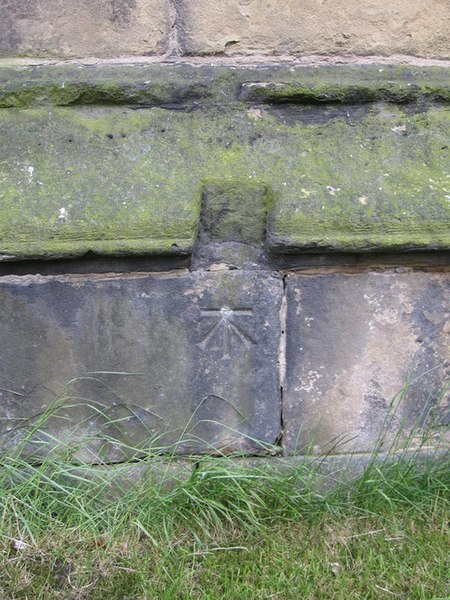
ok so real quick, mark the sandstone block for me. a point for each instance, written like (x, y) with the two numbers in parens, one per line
(367, 360)
(172, 363)
(310, 27)
(82, 29)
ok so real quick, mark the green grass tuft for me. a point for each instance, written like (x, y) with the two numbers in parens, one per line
(223, 526)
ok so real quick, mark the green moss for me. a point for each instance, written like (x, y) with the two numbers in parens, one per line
(234, 211)
(54, 248)
(130, 181)
(151, 85)
(82, 93)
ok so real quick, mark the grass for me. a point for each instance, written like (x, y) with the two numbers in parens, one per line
(224, 530)
(357, 557)
(224, 527)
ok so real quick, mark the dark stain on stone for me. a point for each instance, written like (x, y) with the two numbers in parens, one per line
(254, 138)
(429, 313)
(120, 11)
(429, 378)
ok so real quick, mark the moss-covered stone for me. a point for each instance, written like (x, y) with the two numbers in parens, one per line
(128, 180)
(389, 187)
(325, 90)
(80, 181)
(144, 85)
(234, 212)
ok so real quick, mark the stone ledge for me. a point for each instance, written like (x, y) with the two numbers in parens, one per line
(183, 84)
(124, 175)
(322, 473)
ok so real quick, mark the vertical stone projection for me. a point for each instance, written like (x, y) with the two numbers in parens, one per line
(184, 362)
(368, 359)
(232, 224)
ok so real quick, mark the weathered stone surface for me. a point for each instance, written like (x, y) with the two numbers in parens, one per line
(185, 85)
(141, 27)
(124, 181)
(95, 181)
(387, 189)
(232, 224)
(83, 28)
(367, 359)
(262, 27)
(184, 362)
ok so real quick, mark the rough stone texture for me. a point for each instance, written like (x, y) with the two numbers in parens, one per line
(115, 180)
(312, 27)
(172, 362)
(184, 85)
(83, 28)
(113, 28)
(367, 359)
(232, 224)
(97, 181)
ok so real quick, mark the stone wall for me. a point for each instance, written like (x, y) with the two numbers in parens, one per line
(59, 28)
(224, 240)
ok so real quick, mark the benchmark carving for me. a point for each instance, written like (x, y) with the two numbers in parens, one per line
(224, 329)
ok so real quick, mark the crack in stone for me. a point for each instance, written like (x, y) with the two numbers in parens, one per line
(172, 46)
(282, 358)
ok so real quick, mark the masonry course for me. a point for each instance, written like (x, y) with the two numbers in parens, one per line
(123, 172)
(59, 28)
(311, 27)
(237, 181)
